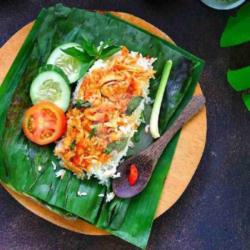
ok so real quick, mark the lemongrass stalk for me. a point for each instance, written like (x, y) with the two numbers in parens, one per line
(154, 119)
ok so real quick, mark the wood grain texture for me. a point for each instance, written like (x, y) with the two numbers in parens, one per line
(186, 158)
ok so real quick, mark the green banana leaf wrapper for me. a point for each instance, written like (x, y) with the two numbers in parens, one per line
(21, 160)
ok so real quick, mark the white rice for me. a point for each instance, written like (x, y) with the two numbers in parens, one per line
(110, 196)
(79, 193)
(53, 165)
(60, 173)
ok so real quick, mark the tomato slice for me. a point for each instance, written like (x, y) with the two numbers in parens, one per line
(44, 123)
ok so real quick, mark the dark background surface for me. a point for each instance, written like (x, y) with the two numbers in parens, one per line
(214, 211)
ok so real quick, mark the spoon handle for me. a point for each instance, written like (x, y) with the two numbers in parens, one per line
(189, 111)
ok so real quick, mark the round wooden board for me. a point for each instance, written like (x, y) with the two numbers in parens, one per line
(186, 158)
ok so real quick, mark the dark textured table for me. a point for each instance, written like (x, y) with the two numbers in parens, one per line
(214, 211)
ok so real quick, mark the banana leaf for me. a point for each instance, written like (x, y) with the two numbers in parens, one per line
(30, 169)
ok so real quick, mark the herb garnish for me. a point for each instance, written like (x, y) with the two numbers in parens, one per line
(78, 54)
(117, 145)
(88, 53)
(92, 132)
(82, 104)
(133, 104)
(72, 145)
(107, 151)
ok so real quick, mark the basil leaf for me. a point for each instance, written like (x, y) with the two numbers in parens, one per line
(78, 54)
(82, 104)
(117, 145)
(104, 45)
(109, 51)
(101, 48)
(133, 104)
(89, 48)
(85, 67)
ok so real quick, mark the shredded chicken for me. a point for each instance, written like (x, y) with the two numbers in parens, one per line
(109, 90)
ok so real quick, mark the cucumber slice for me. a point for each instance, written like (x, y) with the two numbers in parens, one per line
(50, 85)
(70, 65)
(50, 67)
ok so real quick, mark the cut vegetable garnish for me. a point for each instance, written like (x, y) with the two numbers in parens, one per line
(92, 132)
(82, 104)
(44, 123)
(154, 119)
(133, 175)
(88, 53)
(109, 51)
(133, 104)
(51, 85)
(71, 65)
(117, 145)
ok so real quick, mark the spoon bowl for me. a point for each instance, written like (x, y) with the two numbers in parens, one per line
(146, 160)
(144, 165)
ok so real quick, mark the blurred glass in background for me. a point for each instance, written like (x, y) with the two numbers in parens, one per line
(223, 4)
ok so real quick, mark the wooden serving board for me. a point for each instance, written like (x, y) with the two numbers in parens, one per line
(186, 158)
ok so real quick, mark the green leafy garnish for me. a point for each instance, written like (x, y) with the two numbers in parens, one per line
(89, 48)
(136, 137)
(72, 145)
(237, 30)
(108, 52)
(90, 53)
(117, 145)
(82, 104)
(142, 118)
(92, 132)
(133, 104)
(85, 67)
(78, 54)
(107, 151)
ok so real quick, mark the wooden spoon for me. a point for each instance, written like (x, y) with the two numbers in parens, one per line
(146, 160)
